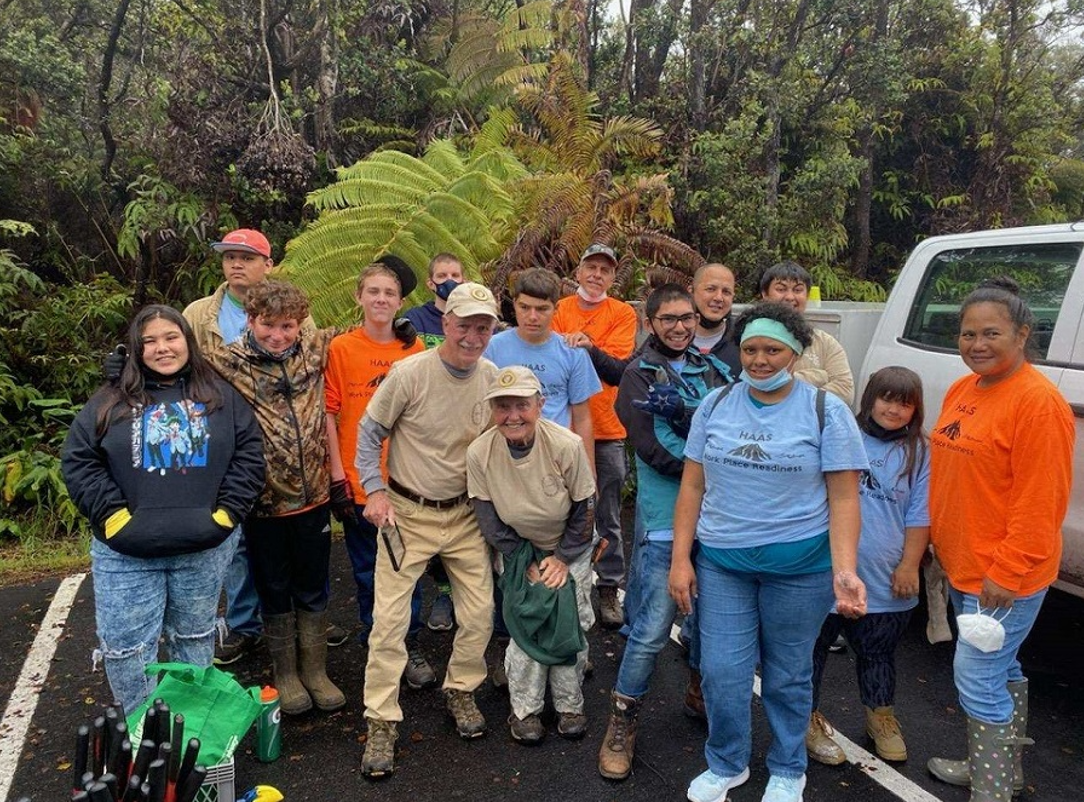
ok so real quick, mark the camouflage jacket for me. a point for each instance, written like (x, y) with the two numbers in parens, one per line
(288, 400)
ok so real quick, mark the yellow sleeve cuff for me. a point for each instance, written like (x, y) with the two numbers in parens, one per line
(222, 518)
(115, 522)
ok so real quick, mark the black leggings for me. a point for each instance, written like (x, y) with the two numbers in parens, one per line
(874, 638)
(289, 557)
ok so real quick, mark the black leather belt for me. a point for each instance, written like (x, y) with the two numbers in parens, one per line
(441, 504)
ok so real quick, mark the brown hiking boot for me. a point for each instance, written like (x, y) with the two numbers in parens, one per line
(882, 727)
(609, 606)
(694, 698)
(379, 758)
(469, 722)
(819, 742)
(528, 731)
(571, 726)
(619, 742)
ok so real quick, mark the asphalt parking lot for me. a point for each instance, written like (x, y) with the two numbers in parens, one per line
(321, 755)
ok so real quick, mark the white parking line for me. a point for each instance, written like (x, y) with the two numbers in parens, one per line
(869, 764)
(15, 723)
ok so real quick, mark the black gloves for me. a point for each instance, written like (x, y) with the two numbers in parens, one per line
(405, 331)
(114, 364)
(342, 503)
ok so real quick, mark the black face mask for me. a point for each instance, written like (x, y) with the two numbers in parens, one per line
(154, 377)
(664, 349)
(876, 430)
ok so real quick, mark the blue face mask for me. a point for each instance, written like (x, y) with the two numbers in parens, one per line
(774, 382)
(445, 289)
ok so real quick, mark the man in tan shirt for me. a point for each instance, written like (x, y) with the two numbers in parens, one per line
(429, 409)
(824, 363)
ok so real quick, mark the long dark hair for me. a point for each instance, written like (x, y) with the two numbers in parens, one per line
(131, 389)
(895, 383)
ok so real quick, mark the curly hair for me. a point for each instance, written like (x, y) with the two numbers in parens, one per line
(277, 299)
(790, 317)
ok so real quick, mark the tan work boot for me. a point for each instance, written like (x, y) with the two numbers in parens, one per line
(281, 638)
(312, 639)
(469, 722)
(619, 743)
(379, 758)
(819, 742)
(882, 727)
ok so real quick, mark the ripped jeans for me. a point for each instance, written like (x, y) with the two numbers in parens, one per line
(137, 600)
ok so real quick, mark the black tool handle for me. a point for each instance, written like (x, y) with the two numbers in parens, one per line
(177, 740)
(143, 757)
(79, 765)
(192, 784)
(191, 754)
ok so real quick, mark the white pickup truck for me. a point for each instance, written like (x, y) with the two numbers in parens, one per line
(917, 328)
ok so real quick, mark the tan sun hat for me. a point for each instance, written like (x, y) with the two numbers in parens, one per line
(471, 299)
(515, 380)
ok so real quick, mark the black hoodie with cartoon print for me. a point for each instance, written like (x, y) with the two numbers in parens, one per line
(171, 464)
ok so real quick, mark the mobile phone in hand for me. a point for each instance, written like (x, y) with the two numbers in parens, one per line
(393, 542)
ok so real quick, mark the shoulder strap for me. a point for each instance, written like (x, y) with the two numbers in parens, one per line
(722, 394)
(821, 393)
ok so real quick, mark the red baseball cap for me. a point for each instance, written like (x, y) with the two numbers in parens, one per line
(244, 239)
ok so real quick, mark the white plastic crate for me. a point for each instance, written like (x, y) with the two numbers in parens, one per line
(218, 787)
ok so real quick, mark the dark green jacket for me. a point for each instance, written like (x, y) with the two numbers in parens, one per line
(544, 623)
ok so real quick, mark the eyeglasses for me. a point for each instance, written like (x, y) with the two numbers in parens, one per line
(669, 321)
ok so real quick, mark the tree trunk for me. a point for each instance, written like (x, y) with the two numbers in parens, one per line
(104, 82)
(327, 82)
(863, 206)
(698, 17)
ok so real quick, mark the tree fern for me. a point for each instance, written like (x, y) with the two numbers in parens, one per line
(411, 207)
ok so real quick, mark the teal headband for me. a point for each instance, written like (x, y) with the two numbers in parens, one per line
(773, 329)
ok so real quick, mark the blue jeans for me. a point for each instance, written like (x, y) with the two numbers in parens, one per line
(242, 601)
(981, 677)
(361, 547)
(136, 599)
(654, 612)
(773, 618)
(632, 578)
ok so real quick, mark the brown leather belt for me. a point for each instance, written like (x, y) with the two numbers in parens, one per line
(441, 504)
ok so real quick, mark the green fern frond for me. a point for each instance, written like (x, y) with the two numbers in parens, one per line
(443, 156)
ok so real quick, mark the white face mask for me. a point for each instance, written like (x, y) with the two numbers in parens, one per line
(984, 632)
(589, 296)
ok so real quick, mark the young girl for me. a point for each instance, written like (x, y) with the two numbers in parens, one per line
(162, 538)
(895, 532)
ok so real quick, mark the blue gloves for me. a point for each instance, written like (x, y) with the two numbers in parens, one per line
(663, 400)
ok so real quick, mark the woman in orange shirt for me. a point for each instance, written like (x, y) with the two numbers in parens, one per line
(1001, 471)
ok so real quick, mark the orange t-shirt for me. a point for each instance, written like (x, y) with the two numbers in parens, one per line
(612, 327)
(1001, 471)
(356, 365)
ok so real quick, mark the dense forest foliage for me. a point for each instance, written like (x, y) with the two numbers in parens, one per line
(834, 132)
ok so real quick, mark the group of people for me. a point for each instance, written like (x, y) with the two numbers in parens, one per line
(766, 512)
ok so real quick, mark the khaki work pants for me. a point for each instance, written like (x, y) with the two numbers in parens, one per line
(455, 536)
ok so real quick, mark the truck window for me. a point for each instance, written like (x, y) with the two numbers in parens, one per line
(1042, 271)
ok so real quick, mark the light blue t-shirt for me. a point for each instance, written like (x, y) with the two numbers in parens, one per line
(231, 319)
(566, 374)
(890, 504)
(764, 467)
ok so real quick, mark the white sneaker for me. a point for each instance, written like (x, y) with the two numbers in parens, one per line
(784, 789)
(710, 787)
